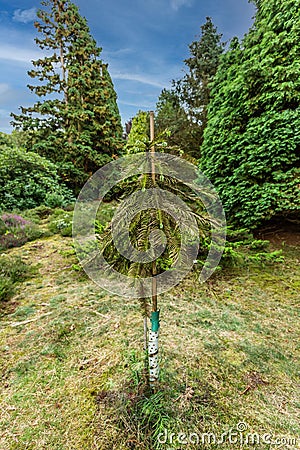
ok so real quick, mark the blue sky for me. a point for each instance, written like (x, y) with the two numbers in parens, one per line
(144, 42)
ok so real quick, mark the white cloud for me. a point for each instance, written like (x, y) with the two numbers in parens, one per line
(119, 52)
(4, 87)
(4, 114)
(176, 4)
(136, 104)
(25, 15)
(138, 78)
(18, 54)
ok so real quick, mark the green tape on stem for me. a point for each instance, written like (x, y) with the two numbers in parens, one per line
(154, 320)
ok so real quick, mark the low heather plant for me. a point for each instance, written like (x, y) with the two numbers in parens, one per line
(15, 231)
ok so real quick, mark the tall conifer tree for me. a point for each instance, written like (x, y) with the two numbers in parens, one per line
(251, 150)
(171, 116)
(202, 65)
(76, 121)
(183, 109)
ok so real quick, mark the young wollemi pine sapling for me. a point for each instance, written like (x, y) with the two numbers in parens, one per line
(144, 231)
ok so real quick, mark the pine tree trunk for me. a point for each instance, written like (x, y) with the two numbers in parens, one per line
(153, 333)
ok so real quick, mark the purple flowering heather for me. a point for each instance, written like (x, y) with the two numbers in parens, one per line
(13, 230)
(15, 221)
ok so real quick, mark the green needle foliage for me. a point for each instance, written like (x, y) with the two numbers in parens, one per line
(183, 110)
(76, 122)
(171, 116)
(251, 150)
(144, 229)
(202, 65)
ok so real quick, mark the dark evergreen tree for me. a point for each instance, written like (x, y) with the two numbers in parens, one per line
(171, 116)
(194, 88)
(183, 109)
(251, 150)
(76, 122)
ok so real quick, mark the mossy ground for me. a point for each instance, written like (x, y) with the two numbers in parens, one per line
(72, 359)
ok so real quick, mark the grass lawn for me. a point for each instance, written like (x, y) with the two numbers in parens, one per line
(72, 360)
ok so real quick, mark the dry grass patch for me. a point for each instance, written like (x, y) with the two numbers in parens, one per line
(72, 362)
